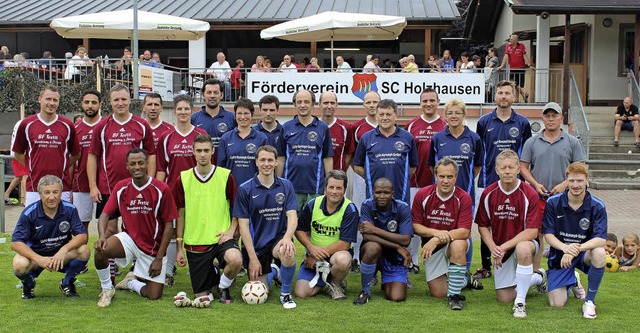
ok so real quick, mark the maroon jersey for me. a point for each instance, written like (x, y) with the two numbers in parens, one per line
(361, 127)
(84, 133)
(422, 132)
(175, 152)
(160, 129)
(508, 213)
(144, 211)
(111, 144)
(342, 142)
(432, 211)
(46, 147)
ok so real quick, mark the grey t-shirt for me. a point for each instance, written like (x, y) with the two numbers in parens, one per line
(549, 160)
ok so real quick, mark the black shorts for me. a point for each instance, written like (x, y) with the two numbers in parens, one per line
(204, 274)
(517, 76)
(265, 256)
(100, 205)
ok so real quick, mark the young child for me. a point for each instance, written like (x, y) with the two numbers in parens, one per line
(612, 243)
(629, 252)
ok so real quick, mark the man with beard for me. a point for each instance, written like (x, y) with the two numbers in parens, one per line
(214, 118)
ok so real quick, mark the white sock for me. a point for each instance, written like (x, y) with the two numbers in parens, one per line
(523, 282)
(225, 282)
(136, 285)
(105, 278)
(172, 252)
(536, 279)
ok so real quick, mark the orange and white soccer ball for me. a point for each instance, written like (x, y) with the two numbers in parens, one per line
(254, 292)
(611, 263)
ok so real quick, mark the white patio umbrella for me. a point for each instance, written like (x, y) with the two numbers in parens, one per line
(119, 25)
(330, 26)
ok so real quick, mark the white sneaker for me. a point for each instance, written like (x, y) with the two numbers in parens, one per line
(181, 300)
(519, 311)
(542, 287)
(124, 284)
(336, 292)
(287, 301)
(589, 310)
(105, 297)
(202, 301)
(578, 290)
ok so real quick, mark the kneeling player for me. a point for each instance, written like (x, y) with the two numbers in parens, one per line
(575, 225)
(49, 235)
(204, 196)
(385, 224)
(442, 216)
(147, 209)
(266, 210)
(327, 227)
(509, 224)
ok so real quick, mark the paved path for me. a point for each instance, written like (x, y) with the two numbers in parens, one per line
(623, 208)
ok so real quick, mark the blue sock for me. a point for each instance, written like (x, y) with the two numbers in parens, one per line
(469, 254)
(366, 275)
(595, 277)
(26, 279)
(272, 275)
(286, 274)
(75, 267)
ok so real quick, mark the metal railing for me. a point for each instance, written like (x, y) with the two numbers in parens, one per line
(634, 90)
(577, 116)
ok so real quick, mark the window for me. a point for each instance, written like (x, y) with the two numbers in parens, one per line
(625, 48)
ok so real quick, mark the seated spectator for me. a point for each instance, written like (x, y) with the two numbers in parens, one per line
(222, 71)
(287, 65)
(313, 66)
(78, 66)
(447, 64)
(343, 66)
(432, 65)
(156, 57)
(411, 66)
(267, 65)
(146, 60)
(5, 50)
(477, 61)
(124, 65)
(465, 66)
(628, 119)
(45, 61)
(259, 66)
(372, 65)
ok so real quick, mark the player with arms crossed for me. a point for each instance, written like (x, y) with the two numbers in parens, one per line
(147, 209)
(442, 216)
(508, 222)
(575, 225)
(266, 208)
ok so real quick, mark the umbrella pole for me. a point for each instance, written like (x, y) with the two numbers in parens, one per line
(331, 52)
(134, 75)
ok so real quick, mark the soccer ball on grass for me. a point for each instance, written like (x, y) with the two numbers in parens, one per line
(254, 292)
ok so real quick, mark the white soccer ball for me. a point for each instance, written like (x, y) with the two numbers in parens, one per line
(254, 292)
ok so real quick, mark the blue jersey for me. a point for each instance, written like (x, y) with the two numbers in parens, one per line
(497, 136)
(266, 209)
(239, 155)
(397, 220)
(466, 150)
(44, 235)
(573, 226)
(304, 147)
(272, 136)
(390, 157)
(348, 228)
(223, 122)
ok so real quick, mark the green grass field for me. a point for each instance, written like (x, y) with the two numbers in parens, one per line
(50, 311)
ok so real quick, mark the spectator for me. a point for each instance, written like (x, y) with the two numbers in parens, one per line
(343, 66)
(372, 65)
(124, 65)
(156, 57)
(237, 80)
(145, 59)
(627, 118)
(45, 61)
(446, 63)
(222, 71)
(5, 50)
(516, 54)
(287, 65)
(465, 66)
(313, 67)
(77, 67)
(432, 65)
(492, 60)
(259, 66)
(267, 65)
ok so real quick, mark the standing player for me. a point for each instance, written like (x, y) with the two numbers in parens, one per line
(499, 130)
(266, 210)
(385, 224)
(147, 209)
(515, 54)
(304, 150)
(175, 154)
(91, 104)
(152, 108)
(269, 125)
(423, 128)
(46, 144)
(326, 228)
(237, 149)
(442, 216)
(509, 224)
(204, 196)
(575, 225)
(388, 151)
(341, 132)
(213, 118)
(49, 235)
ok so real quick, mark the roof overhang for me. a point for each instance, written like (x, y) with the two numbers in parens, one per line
(535, 7)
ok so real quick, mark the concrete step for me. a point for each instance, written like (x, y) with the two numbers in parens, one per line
(626, 139)
(613, 156)
(609, 148)
(599, 109)
(614, 184)
(613, 173)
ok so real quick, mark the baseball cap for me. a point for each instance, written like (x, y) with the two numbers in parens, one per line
(68, 55)
(552, 106)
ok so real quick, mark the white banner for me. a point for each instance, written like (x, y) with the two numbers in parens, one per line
(351, 87)
(155, 80)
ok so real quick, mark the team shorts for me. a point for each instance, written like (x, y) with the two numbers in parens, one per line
(32, 197)
(265, 256)
(505, 276)
(38, 270)
(517, 76)
(19, 169)
(438, 264)
(565, 277)
(143, 260)
(204, 274)
(392, 272)
(84, 205)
